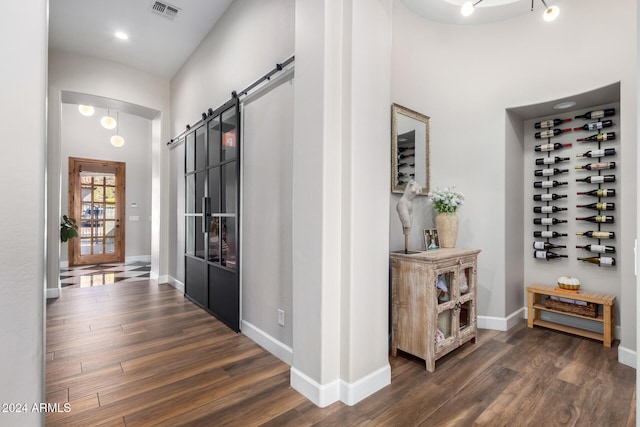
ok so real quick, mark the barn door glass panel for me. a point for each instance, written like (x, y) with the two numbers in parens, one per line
(229, 188)
(214, 141)
(229, 135)
(190, 153)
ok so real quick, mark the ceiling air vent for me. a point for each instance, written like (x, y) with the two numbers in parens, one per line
(164, 9)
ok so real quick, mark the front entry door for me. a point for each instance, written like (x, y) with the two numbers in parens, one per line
(96, 201)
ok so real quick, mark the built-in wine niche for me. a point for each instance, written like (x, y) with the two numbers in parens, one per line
(574, 186)
(552, 168)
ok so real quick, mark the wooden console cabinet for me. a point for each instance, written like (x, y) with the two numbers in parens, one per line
(427, 322)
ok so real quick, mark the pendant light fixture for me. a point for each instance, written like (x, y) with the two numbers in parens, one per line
(468, 8)
(86, 110)
(550, 13)
(117, 140)
(108, 122)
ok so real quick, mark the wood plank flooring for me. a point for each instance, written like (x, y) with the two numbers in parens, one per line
(141, 354)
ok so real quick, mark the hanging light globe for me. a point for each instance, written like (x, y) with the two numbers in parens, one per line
(86, 110)
(108, 122)
(551, 13)
(117, 141)
(467, 9)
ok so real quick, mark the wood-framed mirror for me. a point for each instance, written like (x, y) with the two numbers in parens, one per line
(409, 148)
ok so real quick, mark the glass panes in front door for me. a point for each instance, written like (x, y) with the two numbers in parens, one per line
(98, 221)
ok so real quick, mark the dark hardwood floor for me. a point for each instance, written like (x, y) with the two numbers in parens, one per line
(141, 354)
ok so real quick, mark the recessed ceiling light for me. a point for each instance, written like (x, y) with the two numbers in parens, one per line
(564, 105)
(122, 35)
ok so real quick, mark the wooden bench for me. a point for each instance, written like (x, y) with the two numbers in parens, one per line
(607, 318)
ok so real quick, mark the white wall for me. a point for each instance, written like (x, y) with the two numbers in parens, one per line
(464, 77)
(266, 213)
(246, 42)
(22, 183)
(84, 137)
(87, 75)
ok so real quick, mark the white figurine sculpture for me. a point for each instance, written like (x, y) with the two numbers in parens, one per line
(405, 209)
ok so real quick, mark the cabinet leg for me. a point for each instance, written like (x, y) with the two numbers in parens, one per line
(530, 309)
(431, 366)
(608, 314)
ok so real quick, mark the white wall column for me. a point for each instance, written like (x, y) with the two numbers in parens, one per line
(22, 185)
(340, 193)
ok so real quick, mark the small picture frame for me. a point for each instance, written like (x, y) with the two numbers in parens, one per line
(431, 239)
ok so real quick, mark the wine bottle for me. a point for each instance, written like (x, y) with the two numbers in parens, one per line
(550, 160)
(543, 246)
(547, 197)
(598, 248)
(548, 234)
(597, 179)
(404, 156)
(599, 192)
(550, 123)
(551, 147)
(597, 234)
(598, 153)
(548, 221)
(597, 166)
(406, 174)
(401, 149)
(600, 206)
(598, 218)
(550, 133)
(603, 260)
(599, 137)
(596, 125)
(547, 209)
(408, 165)
(596, 114)
(547, 184)
(550, 171)
(548, 255)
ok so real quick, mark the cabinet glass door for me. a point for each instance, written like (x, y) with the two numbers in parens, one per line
(445, 295)
(466, 309)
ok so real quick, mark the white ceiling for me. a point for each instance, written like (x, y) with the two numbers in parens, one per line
(448, 11)
(161, 46)
(156, 44)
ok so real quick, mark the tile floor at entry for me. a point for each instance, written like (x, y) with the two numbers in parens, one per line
(84, 276)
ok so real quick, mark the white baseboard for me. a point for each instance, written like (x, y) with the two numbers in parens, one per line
(627, 357)
(266, 341)
(349, 393)
(53, 292)
(502, 323)
(352, 393)
(175, 283)
(161, 279)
